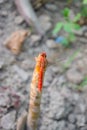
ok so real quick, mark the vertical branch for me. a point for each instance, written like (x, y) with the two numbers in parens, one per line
(36, 91)
(26, 10)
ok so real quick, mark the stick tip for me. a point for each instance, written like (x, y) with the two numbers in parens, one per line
(43, 54)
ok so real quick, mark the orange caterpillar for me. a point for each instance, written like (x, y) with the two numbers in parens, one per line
(36, 91)
(42, 70)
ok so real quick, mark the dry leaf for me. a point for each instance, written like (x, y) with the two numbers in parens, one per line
(15, 41)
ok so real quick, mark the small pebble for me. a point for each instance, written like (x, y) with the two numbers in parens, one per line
(80, 120)
(19, 20)
(72, 118)
(34, 40)
(74, 76)
(51, 44)
(46, 26)
(4, 13)
(45, 22)
(44, 18)
(51, 7)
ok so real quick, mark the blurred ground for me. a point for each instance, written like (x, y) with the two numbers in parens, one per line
(64, 99)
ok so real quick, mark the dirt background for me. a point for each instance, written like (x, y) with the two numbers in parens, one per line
(64, 98)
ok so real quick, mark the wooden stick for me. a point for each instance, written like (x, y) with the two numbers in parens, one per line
(26, 10)
(21, 123)
(36, 91)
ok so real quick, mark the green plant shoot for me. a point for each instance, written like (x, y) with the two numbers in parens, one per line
(68, 25)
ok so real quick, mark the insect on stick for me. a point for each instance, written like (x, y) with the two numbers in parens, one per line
(36, 91)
